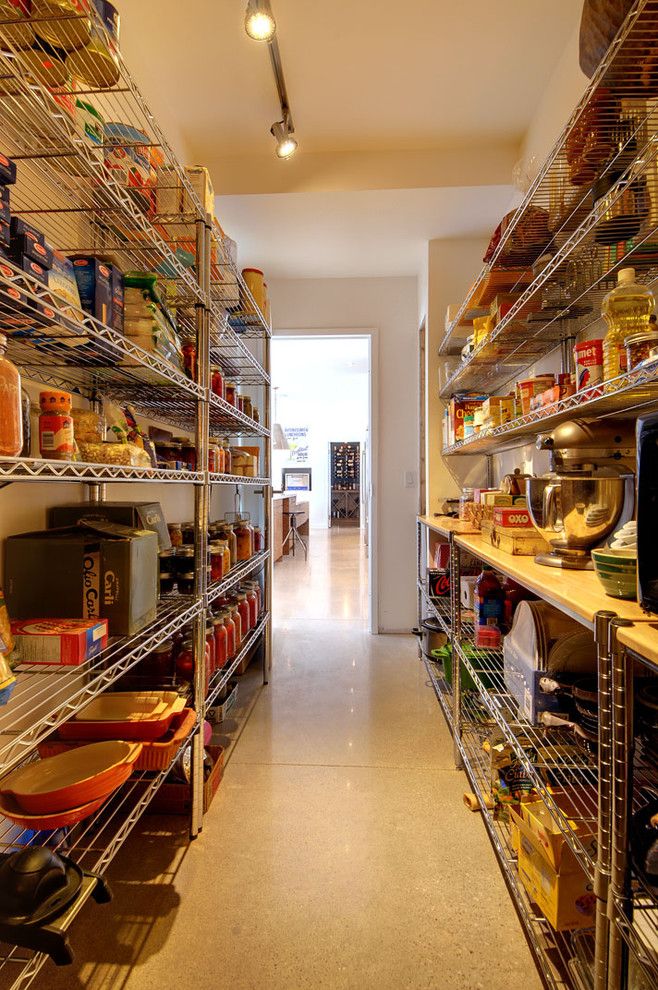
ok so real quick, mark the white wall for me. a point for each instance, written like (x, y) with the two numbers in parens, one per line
(390, 306)
(321, 383)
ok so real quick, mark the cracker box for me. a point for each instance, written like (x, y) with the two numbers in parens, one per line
(68, 642)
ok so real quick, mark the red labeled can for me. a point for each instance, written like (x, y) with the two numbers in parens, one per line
(588, 358)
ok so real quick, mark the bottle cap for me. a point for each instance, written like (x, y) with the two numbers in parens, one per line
(55, 401)
(626, 276)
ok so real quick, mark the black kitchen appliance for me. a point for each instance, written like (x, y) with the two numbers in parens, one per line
(647, 512)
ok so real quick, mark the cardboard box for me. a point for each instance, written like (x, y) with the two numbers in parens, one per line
(438, 582)
(458, 407)
(68, 642)
(467, 589)
(94, 280)
(516, 517)
(498, 410)
(5, 206)
(199, 178)
(519, 542)
(548, 869)
(118, 305)
(135, 515)
(99, 570)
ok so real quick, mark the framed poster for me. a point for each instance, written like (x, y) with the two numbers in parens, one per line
(298, 451)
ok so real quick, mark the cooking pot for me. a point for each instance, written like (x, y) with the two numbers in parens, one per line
(432, 635)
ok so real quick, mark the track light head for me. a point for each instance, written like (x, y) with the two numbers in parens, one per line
(286, 145)
(259, 20)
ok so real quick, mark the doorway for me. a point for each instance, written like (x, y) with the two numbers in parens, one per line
(322, 388)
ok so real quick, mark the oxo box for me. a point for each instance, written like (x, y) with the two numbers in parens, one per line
(96, 570)
(68, 642)
(513, 517)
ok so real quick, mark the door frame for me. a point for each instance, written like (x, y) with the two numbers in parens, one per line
(372, 336)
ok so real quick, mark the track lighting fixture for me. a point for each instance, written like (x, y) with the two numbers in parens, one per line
(286, 145)
(259, 20)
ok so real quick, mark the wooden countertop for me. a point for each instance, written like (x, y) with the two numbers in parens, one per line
(445, 525)
(642, 639)
(578, 593)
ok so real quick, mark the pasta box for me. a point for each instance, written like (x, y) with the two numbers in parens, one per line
(68, 642)
(90, 571)
(94, 280)
(514, 517)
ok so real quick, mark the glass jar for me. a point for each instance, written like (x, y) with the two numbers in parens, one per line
(184, 560)
(252, 602)
(212, 458)
(11, 412)
(226, 553)
(160, 663)
(239, 402)
(245, 613)
(186, 583)
(211, 661)
(228, 534)
(256, 588)
(221, 459)
(231, 638)
(255, 415)
(185, 660)
(216, 561)
(237, 619)
(465, 499)
(175, 534)
(188, 533)
(259, 540)
(228, 458)
(245, 542)
(221, 641)
(190, 361)
(217, 381)
(230, 392)
(56, 437)
(246, 406)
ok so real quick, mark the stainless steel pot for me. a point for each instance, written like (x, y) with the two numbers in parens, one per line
(576, 513)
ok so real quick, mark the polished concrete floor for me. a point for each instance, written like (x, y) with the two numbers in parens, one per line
(338, 854)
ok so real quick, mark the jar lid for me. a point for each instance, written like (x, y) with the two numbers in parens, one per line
(188, 576)
(165, 647)
(185, 552)
(54, 400)
(165, 575)
(644, 335)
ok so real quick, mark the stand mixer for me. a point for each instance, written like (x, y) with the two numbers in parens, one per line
(589, 492)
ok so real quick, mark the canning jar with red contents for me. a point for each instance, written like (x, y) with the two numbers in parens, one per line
(240, 632)
(221, 641)
(231, 641)
(216, 561)
(211, 659)
(185, 661)
(245, 613)
(252, 602)
(259, 541)
(217, 381)
(245, 540)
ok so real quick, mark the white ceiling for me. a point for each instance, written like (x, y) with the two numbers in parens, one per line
(368, 80)
(355, 234)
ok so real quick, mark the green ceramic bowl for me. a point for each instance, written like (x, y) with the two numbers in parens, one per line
(619, 578)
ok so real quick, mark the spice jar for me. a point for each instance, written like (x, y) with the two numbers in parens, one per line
(216, 561)
(56, 439)
(245, 544)
(259, 541)
(11, 413)
(221, 640)
(217, 381)
(175, 534)
(230, 393)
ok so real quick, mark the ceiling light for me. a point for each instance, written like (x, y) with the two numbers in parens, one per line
(259, 20)
(286, 145)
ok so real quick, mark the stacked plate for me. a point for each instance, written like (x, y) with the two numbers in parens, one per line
(64, 789)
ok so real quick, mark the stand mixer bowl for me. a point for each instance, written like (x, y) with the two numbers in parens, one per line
(574, 514)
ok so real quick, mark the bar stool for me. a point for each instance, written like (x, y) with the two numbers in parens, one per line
(293, 533)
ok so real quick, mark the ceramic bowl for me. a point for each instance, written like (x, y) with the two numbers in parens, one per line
(618, 575)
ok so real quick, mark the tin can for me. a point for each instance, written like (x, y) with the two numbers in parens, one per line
(63, 23)
(20, 34)
(97, 63)
(588, 358)
(127, 160)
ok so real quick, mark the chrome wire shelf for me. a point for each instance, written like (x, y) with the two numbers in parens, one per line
(626, 395)
(552, 950)
(219, 681)
(47, 695)
(442, 689)
(93, 844)
(438, 607)
(238, 363)
(237, 574)
(575, 227)
(238, 479)
(556, 760)
(225, 417)
(34, 469)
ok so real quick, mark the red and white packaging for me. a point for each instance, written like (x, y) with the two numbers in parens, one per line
(68, 642)
(588, 358)
(515, 517)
